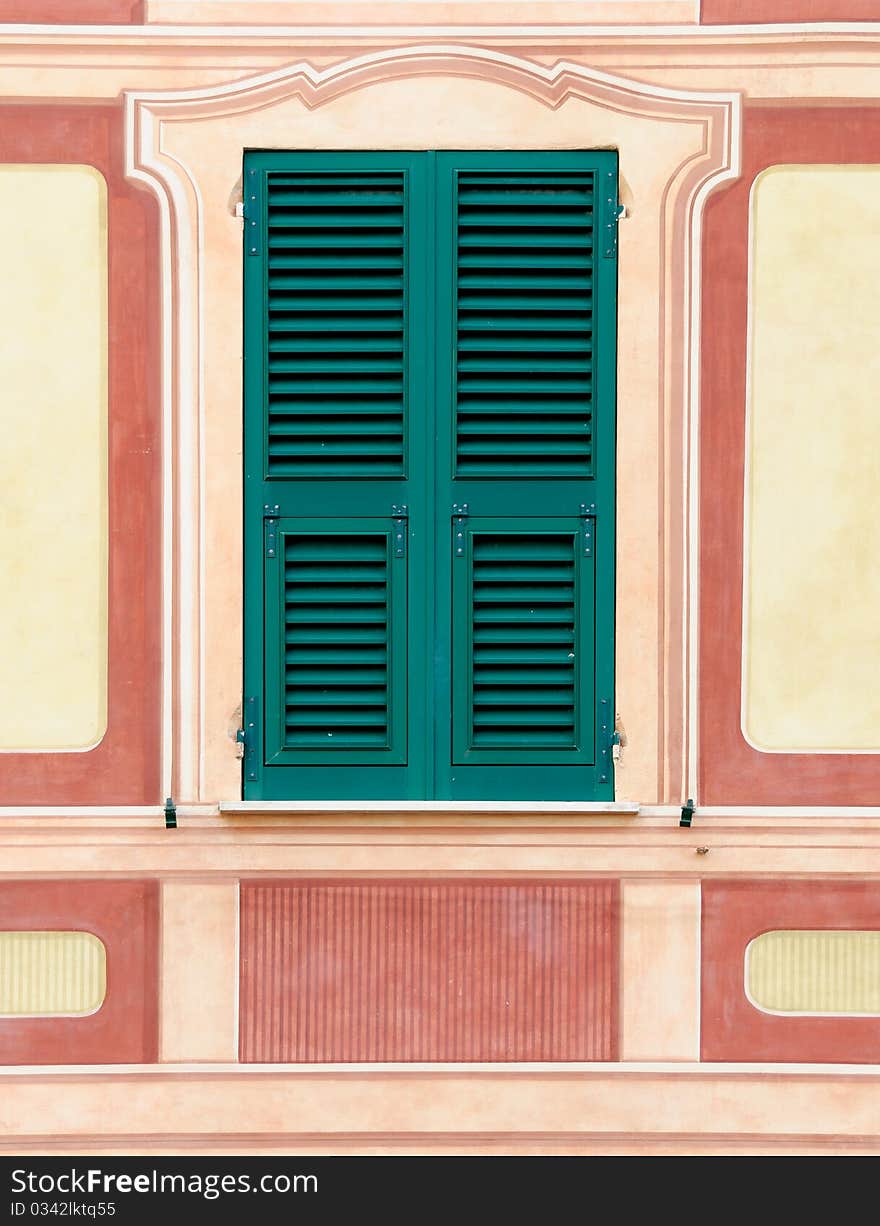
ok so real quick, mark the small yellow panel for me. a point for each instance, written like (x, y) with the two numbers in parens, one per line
(801, 971)
(51, 974)
(811, 632)
(53, 459)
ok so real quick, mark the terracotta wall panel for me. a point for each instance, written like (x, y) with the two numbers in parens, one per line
(124, 916)
(433, 970)
(762, 12)
(734, 913)
(73, 12)
(124, 767)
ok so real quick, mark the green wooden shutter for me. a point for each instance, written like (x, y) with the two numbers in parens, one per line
(335, 335)
(525, 539)
(429, 474)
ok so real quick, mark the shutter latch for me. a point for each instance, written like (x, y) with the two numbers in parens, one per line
(588, 515)
(270, 515)
(399, 514)
(459, 515)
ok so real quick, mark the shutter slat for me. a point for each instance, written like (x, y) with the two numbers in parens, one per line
(307, 240)
(523, 323)
(368, 300)
(312, 385)
(517, 344)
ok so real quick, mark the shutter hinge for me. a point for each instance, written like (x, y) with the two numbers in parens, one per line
(459, 515)
(588, 515)
(612, 211)
(687, 812)
(606, 739)
(251, 214)
(246, 737)
(170, 814)
(270, 515)
(399, 514)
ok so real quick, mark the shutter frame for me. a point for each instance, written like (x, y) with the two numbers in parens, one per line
(429, 483)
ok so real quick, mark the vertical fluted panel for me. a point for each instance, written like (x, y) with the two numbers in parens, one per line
(51, 974)
(417, 971)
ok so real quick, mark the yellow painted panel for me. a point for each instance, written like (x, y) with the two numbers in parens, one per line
(805, 971)
(811, 641)
(51, 974)
(53, 461)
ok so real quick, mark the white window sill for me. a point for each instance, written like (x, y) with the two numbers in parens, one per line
(391, 807)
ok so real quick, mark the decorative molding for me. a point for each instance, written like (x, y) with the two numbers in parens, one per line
(405, 845)
(148, 161)
(791, 31)
(586, 1106)
(273, 12)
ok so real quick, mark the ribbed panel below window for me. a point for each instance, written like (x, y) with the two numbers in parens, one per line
(428, 971)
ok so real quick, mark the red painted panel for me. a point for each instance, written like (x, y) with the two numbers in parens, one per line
(731, 771)
(772, 12)
(73, 12)
(125, 916)
(124, 767)
(428, 971)
(734, 912)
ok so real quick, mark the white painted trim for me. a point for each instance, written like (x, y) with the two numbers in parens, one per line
(180, 588)
(166, 383)
(691, 544)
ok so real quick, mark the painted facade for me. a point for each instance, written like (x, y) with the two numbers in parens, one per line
(488, 976)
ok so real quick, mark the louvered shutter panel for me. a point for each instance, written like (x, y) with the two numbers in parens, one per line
(524, 307)
(336, 324)
(336, 643)
(523, 610)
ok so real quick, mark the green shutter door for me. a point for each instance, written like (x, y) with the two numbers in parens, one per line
(336, 481)
(433, 332)
(525, 401)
